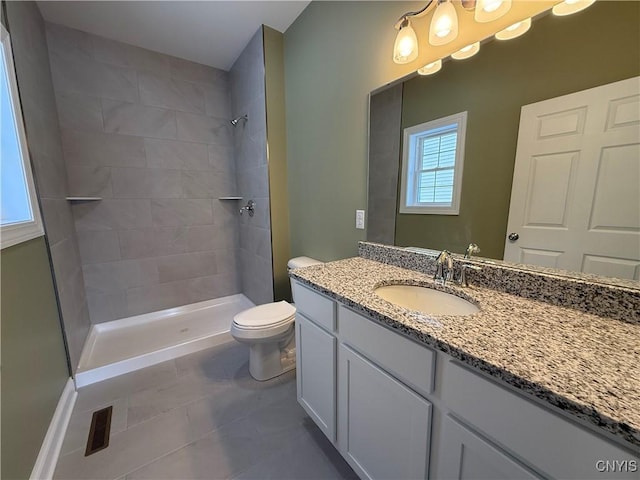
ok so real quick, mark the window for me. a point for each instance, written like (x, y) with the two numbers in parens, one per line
(433, 155)
(19, 215)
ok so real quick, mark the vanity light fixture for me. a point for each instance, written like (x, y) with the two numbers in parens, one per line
(444, 24)
(430, 68)
(571, 6)
(515, 30)
(405, 49)
(444, 27)
(490, 10)
(466, 52)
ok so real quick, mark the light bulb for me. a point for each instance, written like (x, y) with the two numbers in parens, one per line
(466, 52)
(405, 49)
(491, 5)
(444, 24)
(571, 6)
(514, 30)
(430, 68)
(490, 10)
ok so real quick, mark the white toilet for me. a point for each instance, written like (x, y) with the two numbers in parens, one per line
(269, 331)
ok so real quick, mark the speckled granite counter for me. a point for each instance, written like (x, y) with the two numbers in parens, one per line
(581, 363)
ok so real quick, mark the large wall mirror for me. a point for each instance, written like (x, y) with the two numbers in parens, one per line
(556, 58)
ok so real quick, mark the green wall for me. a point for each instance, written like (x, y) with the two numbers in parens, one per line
(335, 54)
(34, 365)
(557, 56)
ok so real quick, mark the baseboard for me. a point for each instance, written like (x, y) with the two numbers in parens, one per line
(52, 444)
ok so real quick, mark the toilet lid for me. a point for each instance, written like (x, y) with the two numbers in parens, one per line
(268, 315)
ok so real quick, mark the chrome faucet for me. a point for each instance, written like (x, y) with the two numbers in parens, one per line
(249, 207)
(444, 268)
(462, 279)
(471, 249)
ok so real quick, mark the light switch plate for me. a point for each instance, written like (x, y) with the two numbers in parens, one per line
(360, 219)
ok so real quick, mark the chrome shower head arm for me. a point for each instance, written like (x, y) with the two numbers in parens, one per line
(235, 121)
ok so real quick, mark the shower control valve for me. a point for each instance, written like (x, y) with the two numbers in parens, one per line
(249, 207)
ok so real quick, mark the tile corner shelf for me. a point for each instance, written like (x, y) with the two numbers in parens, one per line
(83, 199)
(229, 198)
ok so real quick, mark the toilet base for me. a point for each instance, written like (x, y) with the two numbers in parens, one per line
(269, 360)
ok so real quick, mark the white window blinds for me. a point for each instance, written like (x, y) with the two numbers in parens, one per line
(436, 167)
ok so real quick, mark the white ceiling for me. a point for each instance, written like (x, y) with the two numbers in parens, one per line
(209, 32)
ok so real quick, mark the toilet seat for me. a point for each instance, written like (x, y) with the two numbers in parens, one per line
(270, 315)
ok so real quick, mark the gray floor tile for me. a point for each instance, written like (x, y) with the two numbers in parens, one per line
(186, 389)
(128, 450)
(215, 411)
(216, 363)
(306, 456)
(200, 416)
(279, 417)
(80, 423)
(221, 454)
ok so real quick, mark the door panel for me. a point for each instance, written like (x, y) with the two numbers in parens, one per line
(465, 455)
(575, 200)
(385, 428)
(316, 374)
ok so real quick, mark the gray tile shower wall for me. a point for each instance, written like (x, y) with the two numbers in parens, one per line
(248, 97)
(385, 112)
(150, 134)
(43, 137)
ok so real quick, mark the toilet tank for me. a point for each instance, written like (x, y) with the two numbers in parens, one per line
(300, 262)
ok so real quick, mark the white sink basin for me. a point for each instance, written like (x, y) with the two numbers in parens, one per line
(426, 300)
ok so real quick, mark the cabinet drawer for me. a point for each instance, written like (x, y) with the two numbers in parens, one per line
(405, 359)
(317, 307)
(556, 446)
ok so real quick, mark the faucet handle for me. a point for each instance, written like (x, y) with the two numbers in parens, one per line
(471, 249)
(468, 266)
(462, 279)
(443, 257)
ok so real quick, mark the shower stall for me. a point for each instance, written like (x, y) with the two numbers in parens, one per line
(140, 185)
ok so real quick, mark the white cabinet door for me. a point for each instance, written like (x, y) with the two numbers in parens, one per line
(464, 455)
(575, 199)
(384, 428)
(316, 374)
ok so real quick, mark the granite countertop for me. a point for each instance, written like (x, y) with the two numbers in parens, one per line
(584, 364)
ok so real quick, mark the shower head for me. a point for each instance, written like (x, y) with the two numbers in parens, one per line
(235, 121)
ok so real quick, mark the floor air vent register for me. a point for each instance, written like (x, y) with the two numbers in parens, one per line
(99, 431)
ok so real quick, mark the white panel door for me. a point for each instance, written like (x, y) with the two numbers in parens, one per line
(575, 200)
(385, 428)
(316, 374)
(463, 455)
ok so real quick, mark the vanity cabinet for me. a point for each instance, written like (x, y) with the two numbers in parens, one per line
(549, 442)
(384, 427)
(466, 455)
(396, 408)
(316, 357)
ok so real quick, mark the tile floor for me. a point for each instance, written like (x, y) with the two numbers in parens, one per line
(200, 416)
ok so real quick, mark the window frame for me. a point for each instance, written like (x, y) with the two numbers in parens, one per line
(409, 165)
(15, 233)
